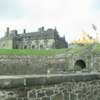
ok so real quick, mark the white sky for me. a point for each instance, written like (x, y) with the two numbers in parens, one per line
(69, 16)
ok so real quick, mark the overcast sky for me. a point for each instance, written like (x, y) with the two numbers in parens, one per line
(71, 17)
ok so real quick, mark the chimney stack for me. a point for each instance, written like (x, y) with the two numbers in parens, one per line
(7, 31)
(41, 29)
(24, 31)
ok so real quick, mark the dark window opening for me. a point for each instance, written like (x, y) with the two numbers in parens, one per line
(33, 46)
(79, 65)
(25, 47)
(41, 46)
(16, 47)
(3, 45)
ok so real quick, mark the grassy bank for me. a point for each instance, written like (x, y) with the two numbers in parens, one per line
(94, 48)
(30, 52)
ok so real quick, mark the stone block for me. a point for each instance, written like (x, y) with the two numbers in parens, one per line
(36, 99)
(10, 99)
(56, 91)
(41, 94)
(98, 98)
(90, 97)
(95, 92)
(32, 94)
(66, 96)
(73, 97)
(46, 98)
(81, 96)
(58, 97)
(49, 92)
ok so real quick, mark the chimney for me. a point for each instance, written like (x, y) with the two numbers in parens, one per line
(7, 31)
(41, 29)
(24, 31)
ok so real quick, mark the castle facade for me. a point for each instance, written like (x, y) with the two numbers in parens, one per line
(42, 39)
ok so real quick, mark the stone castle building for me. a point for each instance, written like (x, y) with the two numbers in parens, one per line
(42, 39)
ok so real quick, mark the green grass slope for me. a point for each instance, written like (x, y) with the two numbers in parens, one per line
(30, 52)
(94, 48)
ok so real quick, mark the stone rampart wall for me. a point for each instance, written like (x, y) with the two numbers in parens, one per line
(51, 87)
(27, 65)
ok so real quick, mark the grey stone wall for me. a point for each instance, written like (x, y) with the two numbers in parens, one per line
(66, 87)
(6, 43)
(67, 91)
(26, 65)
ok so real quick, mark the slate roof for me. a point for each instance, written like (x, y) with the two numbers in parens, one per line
(40, 34)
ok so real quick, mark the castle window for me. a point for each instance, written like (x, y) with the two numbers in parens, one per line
(25, 47)
(33, 46)
(16, 46)
(41, 46)
(3, 45)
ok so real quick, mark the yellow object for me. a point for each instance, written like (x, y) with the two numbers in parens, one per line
(86, 39)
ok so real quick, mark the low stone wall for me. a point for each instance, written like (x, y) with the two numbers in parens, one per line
(29, 65)
(51, 87)
(23, 65)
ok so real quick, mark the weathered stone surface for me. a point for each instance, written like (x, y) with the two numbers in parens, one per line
(22, 65)
(73, 97)
(41, 94)
(49, 92)
(58, 97)
(82, 89)
(46, 98)
(36, 99)
(10, 99)
(32, 94)
(66, 96)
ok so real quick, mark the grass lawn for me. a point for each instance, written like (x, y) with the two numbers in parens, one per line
(94, 48)
(77, 49)
(30, 52)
